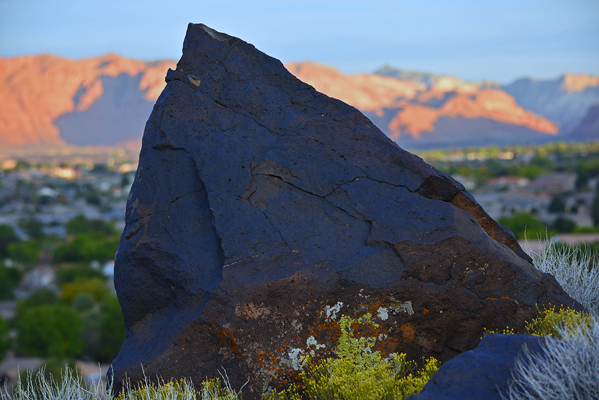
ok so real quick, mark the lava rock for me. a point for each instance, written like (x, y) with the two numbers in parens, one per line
(482, 373)
(263, 210)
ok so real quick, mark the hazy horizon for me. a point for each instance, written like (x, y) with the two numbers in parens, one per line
(492, 40)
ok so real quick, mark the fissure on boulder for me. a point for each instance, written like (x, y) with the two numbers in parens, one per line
(262, 210)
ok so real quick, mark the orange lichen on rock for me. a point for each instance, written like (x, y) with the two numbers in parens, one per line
(230, 341)
(408, 332)
(332, 328)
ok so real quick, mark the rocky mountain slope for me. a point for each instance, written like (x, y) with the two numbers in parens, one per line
(565, 100)
(107, 100)
(102, 100)
(421, 110)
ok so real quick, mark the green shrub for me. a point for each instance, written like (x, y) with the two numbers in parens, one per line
(9, 279)
(91, 246)
(41, 297)
(80, 224)
(27, 252)
(83, 301)
(358, 372)
(7, 236)
(524, 225)
(5, 341)
(50, 331)
(112, 329)
(94, 287)
(76, 272)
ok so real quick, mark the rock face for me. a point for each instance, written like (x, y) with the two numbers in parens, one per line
(482, 373)
(262, 210)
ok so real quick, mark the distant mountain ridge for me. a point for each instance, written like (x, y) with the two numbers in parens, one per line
(107, 100)
(570, 101)
(565, 100)
(95, 101)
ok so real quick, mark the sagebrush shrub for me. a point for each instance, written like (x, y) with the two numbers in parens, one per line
(576, 270)
(568, 368)
(70, 386)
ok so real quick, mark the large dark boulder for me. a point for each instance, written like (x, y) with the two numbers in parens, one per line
(262, 210)
(484, 373)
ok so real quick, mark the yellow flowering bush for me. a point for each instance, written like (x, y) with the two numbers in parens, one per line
(552, 322)
(358, 372)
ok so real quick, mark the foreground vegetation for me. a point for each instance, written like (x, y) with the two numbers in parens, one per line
(76, 316)
(357, 372)
(569, 368)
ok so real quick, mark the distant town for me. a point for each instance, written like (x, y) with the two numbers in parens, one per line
(535, 191)
(62, 210)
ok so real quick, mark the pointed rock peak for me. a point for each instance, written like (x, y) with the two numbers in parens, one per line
(264, 210)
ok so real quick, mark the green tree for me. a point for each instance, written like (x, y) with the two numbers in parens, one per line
(92, 334)
(94, 287)
(5, 341)
(595, 207)
(524, 223)
(557, 205)
(22, 165)
(87, 247)
(7, 236)
(541, 161)
(527, 171)
(564, 225)
(26, 252)
(41, 297)
(32, 227)
(84, 301)
(112, 329)
(9, 278)
(69, 273)
(80, 224)
(50, 331)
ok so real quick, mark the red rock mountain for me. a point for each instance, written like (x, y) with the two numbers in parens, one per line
(107, 100)
(42, 96)
(408, 108)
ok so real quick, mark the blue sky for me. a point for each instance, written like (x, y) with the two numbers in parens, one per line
(475, 40)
